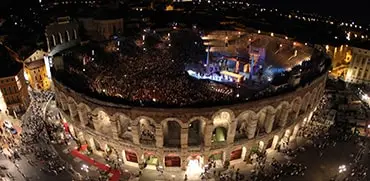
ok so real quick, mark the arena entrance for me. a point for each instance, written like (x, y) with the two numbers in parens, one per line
(217, 158)
(172, 161)
(151, 161)
(194, 167)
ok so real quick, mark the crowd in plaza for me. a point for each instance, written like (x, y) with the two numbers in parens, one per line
(31, 143)
(37, 131)
(318, 134)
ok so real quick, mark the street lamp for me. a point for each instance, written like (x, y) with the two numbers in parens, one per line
(342, 168)
(85, 168)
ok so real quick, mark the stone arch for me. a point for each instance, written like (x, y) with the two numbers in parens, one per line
(305, 102)
(83, 111)
(102, 121)
(60, 38)
(172, 138)
(74, 34)
(72, 107)
(225, 114)
(147, 130)
(67, 37)
(295, 109)
(196, 130)
(221, 124)
(63, 101)
(314, 94)
(247, 124)
(281, 115)
(266, 118)
(54, 40)
(124, 126)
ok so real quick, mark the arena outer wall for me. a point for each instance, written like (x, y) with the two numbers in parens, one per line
(99, 124)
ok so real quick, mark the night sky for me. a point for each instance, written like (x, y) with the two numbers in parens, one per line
(356, 9)
(353, 9)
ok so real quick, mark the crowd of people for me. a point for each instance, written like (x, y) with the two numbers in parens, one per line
(37, 133)
(155, 76)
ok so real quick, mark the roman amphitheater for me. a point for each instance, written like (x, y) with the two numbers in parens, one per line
(180, 137)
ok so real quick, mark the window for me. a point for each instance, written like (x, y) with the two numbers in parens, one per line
(365, 74)
(4, 90)
(354, 73)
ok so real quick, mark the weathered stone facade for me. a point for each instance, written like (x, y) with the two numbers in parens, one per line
(263, 123)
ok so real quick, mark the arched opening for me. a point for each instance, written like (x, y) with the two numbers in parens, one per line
(280, 115)
(194, 167)
(54, 41)
(172, 161)
(60, 38)
(260, 130)
(147, 132)
(221, 122)
(242, 125)
(72, 107)
(219, 135)
(172, 134)
(74, 34)
(64, 103)
(196, 132)
(67, 37)
(124, 127)
(296, 107)
(83, 114)
(102, 123)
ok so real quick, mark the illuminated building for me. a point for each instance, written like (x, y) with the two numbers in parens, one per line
(341, 57)
(12, 83)
(358, 69)
(37, 75)
(187, 137)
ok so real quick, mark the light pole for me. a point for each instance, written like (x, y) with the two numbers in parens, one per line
(85, 168)
(341, 169)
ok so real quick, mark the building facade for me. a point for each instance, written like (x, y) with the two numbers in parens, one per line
(13, 87)
(176, 138)
(14, 92)
(61, 34)
(36, 72)
(358, 69)
(36, 75)
(102, 29)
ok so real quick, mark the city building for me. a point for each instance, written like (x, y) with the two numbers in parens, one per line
(62, 34)
(341, 57)
(12, 83)
(359, 66)
(36, 70)
(103, 25)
